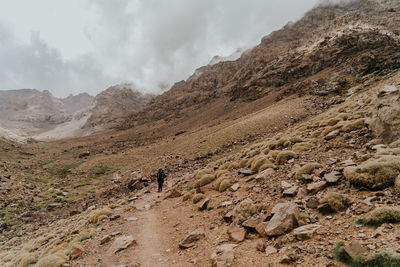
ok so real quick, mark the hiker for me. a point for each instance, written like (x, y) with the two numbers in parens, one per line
(160, 179)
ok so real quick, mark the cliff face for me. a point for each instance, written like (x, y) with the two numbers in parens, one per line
(330, 49)
(112, 106)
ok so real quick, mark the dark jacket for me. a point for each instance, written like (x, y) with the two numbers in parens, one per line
(161, 176)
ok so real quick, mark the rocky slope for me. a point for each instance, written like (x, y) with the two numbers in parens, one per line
(112, 106)
(306, 174)
(329, 50)
(27, 114)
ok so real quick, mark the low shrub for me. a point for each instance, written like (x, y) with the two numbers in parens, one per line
(374, 174)
(205, 180)
(301, 147)
(197, 197)
(353, 125)
(338, 202)
(246, 208)
(379, 259)
(52, 260)
(96, 215)
(284, 156)
(307, 169)
(225, 184)
(380, 216)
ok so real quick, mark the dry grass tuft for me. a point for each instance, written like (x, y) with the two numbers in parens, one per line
(284, 156)
(225, 184)
(380, 216)
(98, 215)
(243, 163)
(307, 169)
(353, 125)
(246, 208)
(374, 174)
(338, 202)
(188, 195)
(197, 197)
(301, 147)
(52, 260)
(218, 182)
(24, 259)
(205, 180)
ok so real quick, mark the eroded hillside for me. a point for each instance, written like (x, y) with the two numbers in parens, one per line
(286, 156)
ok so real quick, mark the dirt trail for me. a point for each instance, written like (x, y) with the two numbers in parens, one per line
(151, 237)
(151, 224)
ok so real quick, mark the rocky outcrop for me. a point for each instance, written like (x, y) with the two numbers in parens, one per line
(384, 121)
(112, 106)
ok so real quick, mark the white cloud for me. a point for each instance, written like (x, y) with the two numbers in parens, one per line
(87, 45)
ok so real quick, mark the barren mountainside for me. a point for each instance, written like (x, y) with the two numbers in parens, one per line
(327, 51)
(39, 115)
(286, 156)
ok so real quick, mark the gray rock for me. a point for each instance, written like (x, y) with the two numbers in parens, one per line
(252, 223)
(121, 243)
(353, 249)
(316, 187)
(190, 240)
(270, 250)
(284, 219)
(306, 231)
(291, 192)
(235, 187)
(332, 135)
(223, 256)
(333, 177)
(204, 204)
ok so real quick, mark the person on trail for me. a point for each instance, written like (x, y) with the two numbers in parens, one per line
(160, 179)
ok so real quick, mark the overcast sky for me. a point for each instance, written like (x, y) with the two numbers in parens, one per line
(73, 46)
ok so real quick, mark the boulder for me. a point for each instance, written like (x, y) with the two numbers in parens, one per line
(284, 219)
(135, 185)
(285, 185)
(204, 204)
(332, 177)
(174, 193)
(384, 121)
(77, 251)
(121, 243)
(228, 216)
(316, 187)
(260, 228)
(290, 192)
(265, 174)
(353, 249)
(306, 231)
(235, 187)
(223, 256)
(237, 234)
(270, 250)
(251, 223)
(332, 135)
(190, 240)
(260, 246)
